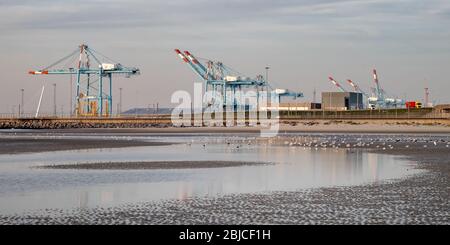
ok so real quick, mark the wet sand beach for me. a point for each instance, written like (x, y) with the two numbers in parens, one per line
(33, 144)
(419, 199)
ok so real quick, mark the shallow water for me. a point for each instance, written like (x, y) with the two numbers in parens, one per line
(23, 188)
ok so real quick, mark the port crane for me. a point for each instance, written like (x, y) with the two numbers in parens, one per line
(377, 99)
(223, 80)
(383, 100)
(378, 91)
(93, 97)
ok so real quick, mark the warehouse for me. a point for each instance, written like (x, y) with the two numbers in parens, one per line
(341, 101)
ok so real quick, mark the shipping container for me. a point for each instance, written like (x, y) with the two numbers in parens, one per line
(410, 104)
(413, 104)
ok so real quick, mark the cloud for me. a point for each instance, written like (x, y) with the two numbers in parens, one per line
(322, 35)
(251, 20)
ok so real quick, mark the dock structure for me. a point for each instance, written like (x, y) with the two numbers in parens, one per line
(426, 116)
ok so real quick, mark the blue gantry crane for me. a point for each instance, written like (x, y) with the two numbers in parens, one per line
(92, 97)
(223, 80)
(384, 100)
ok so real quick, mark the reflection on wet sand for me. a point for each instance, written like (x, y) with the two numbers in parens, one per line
(295, 168)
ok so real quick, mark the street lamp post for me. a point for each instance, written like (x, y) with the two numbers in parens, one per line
(120, 101)
(54, 99)
(71, 93)
(21, 106)
(267, 80)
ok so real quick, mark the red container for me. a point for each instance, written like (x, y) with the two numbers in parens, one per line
(410, 104)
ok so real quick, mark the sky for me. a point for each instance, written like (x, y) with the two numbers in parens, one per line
(302, 41)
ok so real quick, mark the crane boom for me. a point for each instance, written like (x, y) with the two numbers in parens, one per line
(195, 62)
(125, 70)
(378, 88)
(356, 87)
(195, 68)
(336, 84)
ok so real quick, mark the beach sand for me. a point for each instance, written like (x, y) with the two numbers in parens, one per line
(420, 199)
(34, 144)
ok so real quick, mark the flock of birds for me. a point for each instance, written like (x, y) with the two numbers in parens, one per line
(382, 142)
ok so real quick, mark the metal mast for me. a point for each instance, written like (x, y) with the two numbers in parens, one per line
(21, 107)
(54, 99)
(378, 87)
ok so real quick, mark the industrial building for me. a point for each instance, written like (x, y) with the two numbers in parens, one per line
(341, 101)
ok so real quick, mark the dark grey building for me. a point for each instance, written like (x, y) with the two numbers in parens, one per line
(341, 101)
